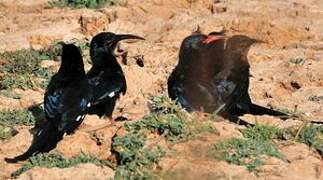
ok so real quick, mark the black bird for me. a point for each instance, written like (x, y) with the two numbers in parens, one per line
(106, 76)
(213, 77)
(66, 101)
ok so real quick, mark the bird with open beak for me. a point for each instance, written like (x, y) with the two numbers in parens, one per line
(212, 76)
(106, 77)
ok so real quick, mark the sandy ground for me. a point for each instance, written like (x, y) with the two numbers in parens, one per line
(291, 29)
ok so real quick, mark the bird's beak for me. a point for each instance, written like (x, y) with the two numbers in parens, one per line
(257, 41)
(212, 38)
(120, 37)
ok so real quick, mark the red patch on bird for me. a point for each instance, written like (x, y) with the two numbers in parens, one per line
(212, 38)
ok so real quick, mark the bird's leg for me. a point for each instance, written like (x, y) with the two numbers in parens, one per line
(111, 123)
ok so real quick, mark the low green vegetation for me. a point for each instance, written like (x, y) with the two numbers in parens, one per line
(57, 160)
(250, 150)
(10, 118)
(259, 142)
(168, 119)
(268, 133)
(246, 152)
(82, 44)
(7, 132)
(297, 61)
(315, 98)
(312, 135)
(22, 68)
(82, 3)
(135, 158)
(8, 93)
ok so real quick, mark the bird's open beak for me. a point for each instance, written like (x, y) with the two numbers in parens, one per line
(120, 37)
(212, 38)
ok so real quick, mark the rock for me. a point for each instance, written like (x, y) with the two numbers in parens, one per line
(79, 172)
(93, 22)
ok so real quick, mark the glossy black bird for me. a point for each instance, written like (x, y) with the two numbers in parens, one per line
(66, 101)
(213, 77)
(106, 76)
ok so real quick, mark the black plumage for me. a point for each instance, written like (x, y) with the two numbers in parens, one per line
(66, 101)
(106, 77)
(212, 75)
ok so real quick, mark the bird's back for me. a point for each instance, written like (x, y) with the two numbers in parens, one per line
(191, 82)
(107, 82)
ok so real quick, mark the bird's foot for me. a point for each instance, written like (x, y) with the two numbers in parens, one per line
(113, 122)
(82, 126)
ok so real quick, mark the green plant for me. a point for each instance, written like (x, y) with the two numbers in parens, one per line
(260, 132)
(170, 120)
(10, 94)
(82, 44)
(312, 135)
(134, 159)
(245, 152)
(81, 3)
(7, 132)
(163, 104)
(250, 150)
(315, 98)
(22, 69)
(57, 160)
(297, 61)
(167, 125)
(11, 118)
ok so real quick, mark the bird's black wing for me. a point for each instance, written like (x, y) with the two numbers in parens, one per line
(73, 106)
(240, 100)
(176, 88)
(106, 85)
(172, 84)
(52, 98)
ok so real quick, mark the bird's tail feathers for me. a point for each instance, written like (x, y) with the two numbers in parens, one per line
(260, 110)
(44, 140)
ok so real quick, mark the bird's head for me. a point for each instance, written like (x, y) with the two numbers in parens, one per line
(197, 45)
(201, 41)
(107, 41)
(241, 43)
(72, 60)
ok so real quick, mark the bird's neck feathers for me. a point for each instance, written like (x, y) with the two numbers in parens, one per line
(207, 57)
(102, 58)
(99, 50)
(71, 67)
